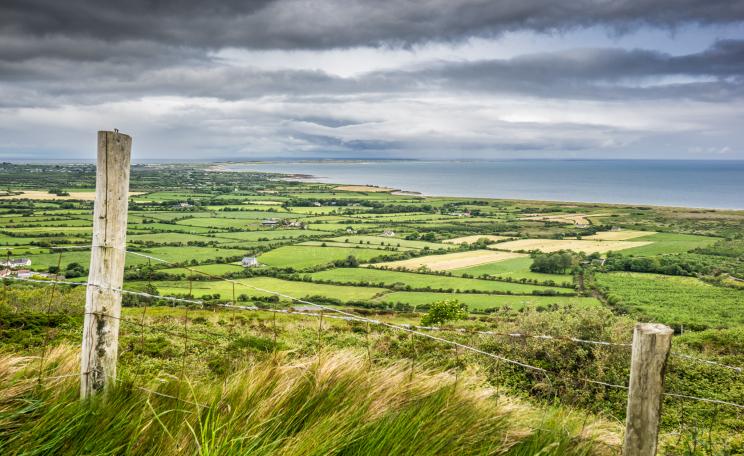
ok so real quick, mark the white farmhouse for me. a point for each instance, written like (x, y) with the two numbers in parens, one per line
(16, 263)
(249, 262)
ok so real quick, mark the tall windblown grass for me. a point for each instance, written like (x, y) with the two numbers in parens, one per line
(330, 404)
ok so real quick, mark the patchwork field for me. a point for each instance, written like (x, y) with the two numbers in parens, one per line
(517, 269)
(554, 245)
(46, 196)
(475, 238)
(301, 257)
(577, 219)
(398, 279)
(622, 235)
(212, 229)
(246, 287)
(450, 260)
(391, 241)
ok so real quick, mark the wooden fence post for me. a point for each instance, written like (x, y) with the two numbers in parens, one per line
(102, 302)
(651, 344)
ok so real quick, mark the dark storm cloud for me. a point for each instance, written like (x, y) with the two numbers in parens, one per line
(716, 74)
(602, 74)
(295, 24)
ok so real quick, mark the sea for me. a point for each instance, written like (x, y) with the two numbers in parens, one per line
(685, 183)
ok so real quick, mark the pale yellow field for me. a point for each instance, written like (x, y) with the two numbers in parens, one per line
(576, 219)
(452, 260)
(553, 245)
(623, 235)
(474, 238)
(362, 188)
(41, 195)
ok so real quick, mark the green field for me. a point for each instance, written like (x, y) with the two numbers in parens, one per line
(392, 241)
(162, 238)
(675, 300)
(414, 280)
(270, 235)
(291, 288)
(664, 243)
(170, 254)
(213, 269)
(365, 246)
(516, 268)
(488, 302)
(300, 257)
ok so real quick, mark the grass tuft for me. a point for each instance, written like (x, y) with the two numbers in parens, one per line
(332, 403)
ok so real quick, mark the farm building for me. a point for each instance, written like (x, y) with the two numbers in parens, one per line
(249, 262)
(16, 263)
(270, 222)
(388, 233)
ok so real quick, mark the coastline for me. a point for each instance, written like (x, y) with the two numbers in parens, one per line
(403, 191)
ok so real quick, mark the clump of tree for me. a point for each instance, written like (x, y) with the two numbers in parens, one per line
(553, 263)
(444, 311)
(58, 192)
(349, 262)
(74, 270)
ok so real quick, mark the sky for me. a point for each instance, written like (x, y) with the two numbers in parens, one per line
(329, 79)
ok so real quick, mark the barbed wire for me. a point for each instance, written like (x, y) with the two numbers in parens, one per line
(705, 399)
(707, 361)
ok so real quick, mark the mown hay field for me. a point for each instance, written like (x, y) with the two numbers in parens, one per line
(451, 260)
(554, 245)
(622, 235)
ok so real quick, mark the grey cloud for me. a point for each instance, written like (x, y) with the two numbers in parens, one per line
(322, 24)
(603, 74)
(716, 74)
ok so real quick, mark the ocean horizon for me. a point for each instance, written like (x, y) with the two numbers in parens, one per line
(711, 184)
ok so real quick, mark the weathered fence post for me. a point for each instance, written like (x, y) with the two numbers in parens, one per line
(106, 276)
(651, 344)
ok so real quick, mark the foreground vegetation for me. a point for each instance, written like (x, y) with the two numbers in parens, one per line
(329, 404)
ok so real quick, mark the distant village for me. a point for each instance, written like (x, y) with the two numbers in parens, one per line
(17, 267)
